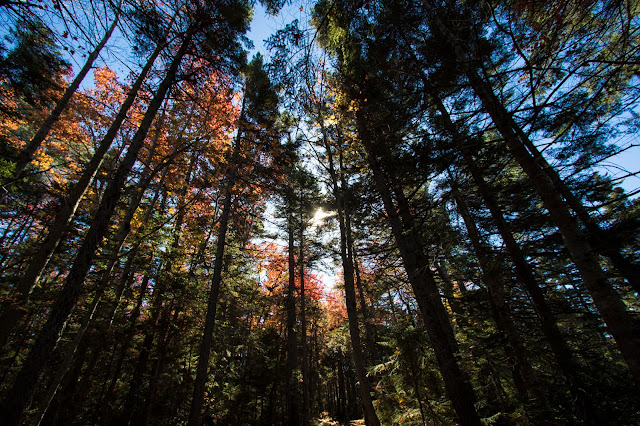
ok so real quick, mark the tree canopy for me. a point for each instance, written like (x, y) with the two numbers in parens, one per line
(406, 212)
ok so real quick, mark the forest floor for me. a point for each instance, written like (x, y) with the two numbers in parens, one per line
(328, 421)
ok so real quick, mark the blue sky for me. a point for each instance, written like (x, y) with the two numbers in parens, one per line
(264, 25)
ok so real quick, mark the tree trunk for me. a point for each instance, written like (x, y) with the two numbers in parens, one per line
(369, 332)
(306, 406)
(143, 416)
(68, 359)
(342, 393)
(159, 310)
(522, 371)
(425, 290)
(346, 255)
(414, 372)
(568, 364)
(292, 339)
(370, 416)
(127, 338)
(60, 413)
(26, 382)
(122, 233)
(160, 314)
(603, 244)
(197, 400)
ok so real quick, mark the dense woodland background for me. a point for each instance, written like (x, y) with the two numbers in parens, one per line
(168, 209)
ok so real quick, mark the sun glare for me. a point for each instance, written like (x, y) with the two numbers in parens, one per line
(319, 216)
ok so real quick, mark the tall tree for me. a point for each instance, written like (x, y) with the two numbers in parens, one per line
(343, 207)
(67, 209)
(259, 112)
(377, 144)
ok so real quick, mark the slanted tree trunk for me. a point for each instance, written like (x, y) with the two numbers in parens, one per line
(160, 315)
(159, 310)
(127, 339)
(414, 373)
(602, 243)
(121, 235)
(370, 416)
(346, 255)
(424, 287)
(369, 332)
(568, 364)
(68, 358)
(522, 371)
(22, 391)
(197, 400)
(142, 418)
(64, 401)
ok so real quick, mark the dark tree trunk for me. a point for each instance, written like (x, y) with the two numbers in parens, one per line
(342, 393)
(568, 364)
(64, 401)
(121, 235)
(424, 288)
(346, 255)
(415, 381)
(197, 400)
(68, 359)
(142, 418)
(292, 339)
(521, 370)
(127, 338)
(369, 331)
(133, 400)
(306, 404)
(601, 240)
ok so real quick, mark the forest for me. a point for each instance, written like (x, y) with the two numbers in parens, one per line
(406, 212)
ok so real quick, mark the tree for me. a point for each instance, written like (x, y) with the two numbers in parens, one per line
(376, 144)
(343, 203)
(68, 207)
